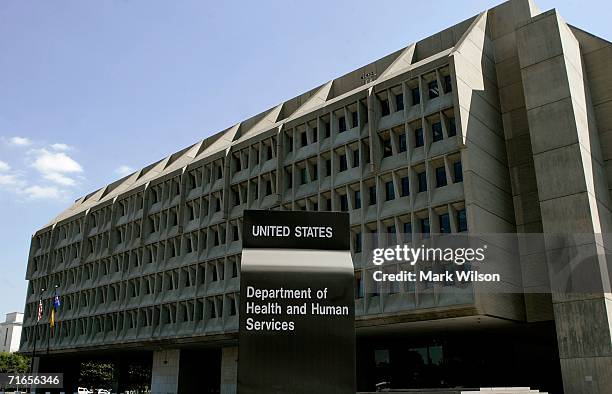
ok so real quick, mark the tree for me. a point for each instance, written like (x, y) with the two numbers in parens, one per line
(14, 362)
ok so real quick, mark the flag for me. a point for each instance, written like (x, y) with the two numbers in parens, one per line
(40, 310)
(54, 310)
(52, 320)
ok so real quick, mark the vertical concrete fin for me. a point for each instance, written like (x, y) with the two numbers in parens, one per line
(403, 61)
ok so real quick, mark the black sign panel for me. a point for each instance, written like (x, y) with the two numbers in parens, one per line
(297, 311)
(296, 230)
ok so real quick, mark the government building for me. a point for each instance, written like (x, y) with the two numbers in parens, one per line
(501, 123)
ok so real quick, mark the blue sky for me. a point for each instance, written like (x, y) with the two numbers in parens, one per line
(92, 89)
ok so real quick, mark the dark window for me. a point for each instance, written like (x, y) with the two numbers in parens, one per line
(304, 138)
(315, 172)
(236, 197)
(436, 130)
(384, 108)
(444, 223)
(235, 234)
(237, 164)
(356, 158)
(425, 227)
(422, 177)
(358, 245)
(289, 143)
(358, 285)
(327, 129)
(256, 153)
(219, 172)
(303, 176)
(458, 171)
(217, 204)
(354, 119)
(372, 191)
(416, 96)
(461, 220)
(343, 163)
(327, 167)
(405, 186)
(328, 204)
(268, 187)
(256, 190)
(341, 124)
(448, 85)
(315, 134)
(452, 127)
(399, 101)
(357, 199)
(389, 191)
(315, 206)
(418, 137)
(269, 154)
(408, 228)
(386, 145)
(344, 203)
(402, 143)
(432, 88)
(440, 177)
(391, 235)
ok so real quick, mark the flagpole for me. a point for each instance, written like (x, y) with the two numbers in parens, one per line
(35, 331)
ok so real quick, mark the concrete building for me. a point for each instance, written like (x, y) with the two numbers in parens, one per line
(10, 332)
(499, 124)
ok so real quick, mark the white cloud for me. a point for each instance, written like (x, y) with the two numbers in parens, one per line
(19, 141)
(61, 147)
(4, 166)
(54, 166)
(124, 170)
(42, 192)
(8, 180)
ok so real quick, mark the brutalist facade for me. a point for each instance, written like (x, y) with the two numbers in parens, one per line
(499, 124)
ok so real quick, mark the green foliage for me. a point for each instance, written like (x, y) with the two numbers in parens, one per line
(96, 374)
(14, 362)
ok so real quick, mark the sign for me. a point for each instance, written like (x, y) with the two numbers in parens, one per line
(297, 308)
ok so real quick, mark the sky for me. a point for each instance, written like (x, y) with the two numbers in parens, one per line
(92, 90)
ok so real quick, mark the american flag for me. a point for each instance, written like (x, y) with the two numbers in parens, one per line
(40, 310)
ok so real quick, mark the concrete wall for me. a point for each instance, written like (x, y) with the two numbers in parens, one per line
(165, 371)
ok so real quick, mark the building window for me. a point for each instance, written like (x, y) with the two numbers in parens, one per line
(235, 233)
(416, 96)
(217, 205)
(399, 101)
(341, 124)
(357, 199)
(405, 186)
(268, 187)
(304, 138)
(389, 191)
(440, 177)
(432, 88)
(356, 158)
(328, 167)
(354, 119)
(448, 85)
(315, 172)
(387, 151)
(458, 171)
(436, 130)
(422, 177)
(315, 134)
(408, 228)
(343, 163)
(289, 143)
(236, 197)
(328, 204)
(372, 195)
(384, 108)
(344, 203)
(444, 223)
(461, 220)
(358, 285)
(327, 129)
(425, 228)
(303, 176)
(391, 235)
(358, 244)
(452, 127)
(237, 164)
(418, 137)
(402, 143)
(269, 154)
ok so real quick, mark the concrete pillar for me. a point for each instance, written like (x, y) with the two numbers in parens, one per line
(165, 371)
(229, 369)
(573, 193)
